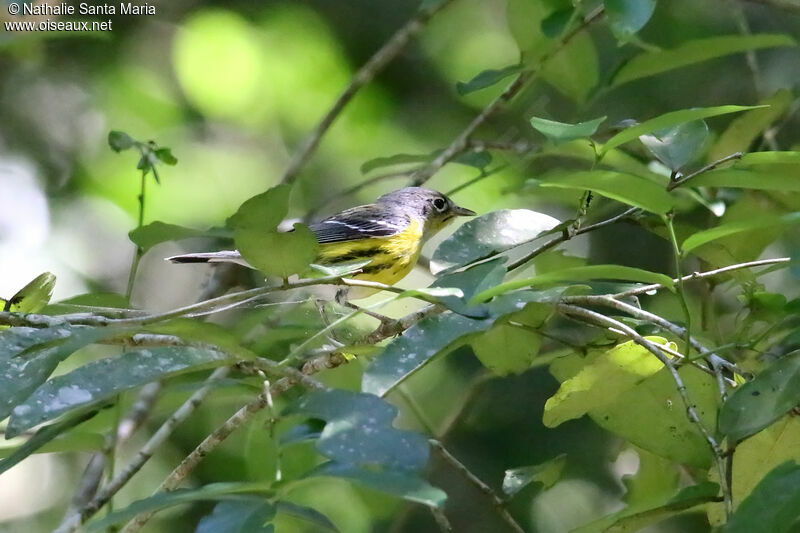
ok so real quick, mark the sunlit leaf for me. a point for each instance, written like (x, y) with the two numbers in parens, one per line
(625, 188)
(101, 380)
(119, 141)
(488, 234)
(165, 156)
(560, 132)
(695, 51)
(774, 504)
(469, 157)
(614, 272)
(506, 349)
(760, 402)
(403, 485)
(69, 441)
(678, 145)
(246, 516)
(145, 237)
(626, 17)
(600, 382)
(485, 79)
(471, 281)
(547, 473)
(33, 297)
(673, 118)
(319, 520)
(359, 431)
(732, 228)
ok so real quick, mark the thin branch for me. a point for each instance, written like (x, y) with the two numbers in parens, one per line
(462, 142)
(711, 166)
(365, 74)
(497, 502)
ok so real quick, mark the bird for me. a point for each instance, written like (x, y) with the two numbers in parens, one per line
(389, 234)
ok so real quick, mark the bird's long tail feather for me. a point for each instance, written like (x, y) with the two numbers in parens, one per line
(225, 256)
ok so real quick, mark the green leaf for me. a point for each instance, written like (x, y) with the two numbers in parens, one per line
(489, 234)
(774, 504)
(28, 356)
(406, 486)
(627, 17)
(557, 21)
(145, 237)
(673, 118)
(256, 236)
(560, 132)
(601, 381)
(625, 188)
(677, 145)
(506, 349)
(615, 272)
(359, 431)
(33, 297)
(73, 441)
(319, 520)
(760, 402)
(246, 516)
(725, 230)
(547, 473)
(165, 156)
(695, 51)
(101, 380)
(162, 500)
(416, 347)
(119, 141)
(748, 179)
(471, 281)
(485, 79)
(470, 158)
(747, 127)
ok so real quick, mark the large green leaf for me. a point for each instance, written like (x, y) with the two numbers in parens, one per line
(101, 380)
(725, 230)
(33, 297)
(256, 236)
(626, 17)
(145, 237)
(673, 118)
(760, 402)
(243, 516)
(469, 158)
(601, 381)
(506, 349)
(614, 272)
(560, 132)
(416, 347)
(162, 500)
(748, 179)
(487, 78)
(404, 485)
(28, 356)
(547, 473)
(620, 186)
(359, 431)
(488, 234)
(774, 504)
(471, 281)
(677, 145)
(695, 51)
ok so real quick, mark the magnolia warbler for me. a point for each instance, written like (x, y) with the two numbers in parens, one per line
(389, 233)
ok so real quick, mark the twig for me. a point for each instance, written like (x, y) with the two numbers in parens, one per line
(680, 290)
(365, 74)
(461, 142)
(498, 503)
(711, 166)
(137, 256)
(441, 519)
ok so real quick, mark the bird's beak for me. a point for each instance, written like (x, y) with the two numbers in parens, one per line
(463, 211)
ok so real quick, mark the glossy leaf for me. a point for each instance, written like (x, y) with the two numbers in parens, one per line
(403, 485)
(626, 17)
(145, 237)
(101, 380)
(245, 516)
(748, 179)
(359, 431)
(547, 473)
(667, 120)
(163, 500)
(741, 226)
(614, 272)
(695, 51)
(601, 381)
(760, 402)
(560, 132)
(487, 78)
(471, 281)
(489, 234)
(33, 297)
(678, 145)
(506, 349)
(625, 188)
(774, 504)
(416, 347)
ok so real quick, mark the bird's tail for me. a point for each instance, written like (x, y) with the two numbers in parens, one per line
(225, 256)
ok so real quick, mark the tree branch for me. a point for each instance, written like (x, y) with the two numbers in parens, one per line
(711, 166)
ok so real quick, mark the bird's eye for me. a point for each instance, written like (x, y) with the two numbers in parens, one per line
(439, 204)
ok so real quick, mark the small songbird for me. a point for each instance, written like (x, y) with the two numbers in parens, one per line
(389, 233)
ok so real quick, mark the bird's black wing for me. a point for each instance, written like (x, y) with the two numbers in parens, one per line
(364, 222)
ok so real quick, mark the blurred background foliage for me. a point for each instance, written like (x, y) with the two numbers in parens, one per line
(233, 87)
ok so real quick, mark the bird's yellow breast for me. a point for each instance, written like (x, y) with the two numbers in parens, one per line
(392, 258)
